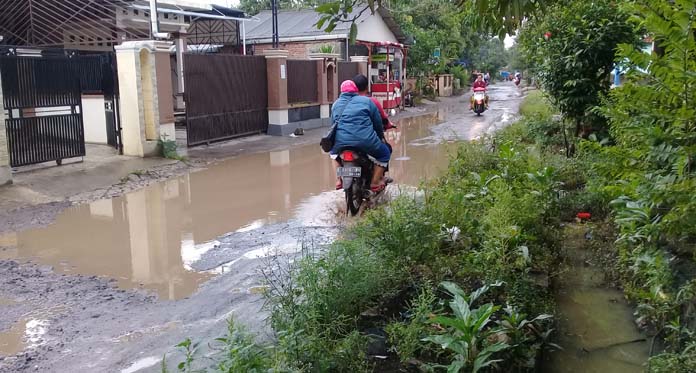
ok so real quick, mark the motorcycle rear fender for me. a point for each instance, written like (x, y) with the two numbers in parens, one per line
(347, 183)
(347, 180)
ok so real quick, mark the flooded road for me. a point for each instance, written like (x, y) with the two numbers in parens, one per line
(193, 244)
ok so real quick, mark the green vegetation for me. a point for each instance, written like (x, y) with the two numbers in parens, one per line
(327, 48)
(488, 229)
(642, 166)
(169, 150)
(572, 51)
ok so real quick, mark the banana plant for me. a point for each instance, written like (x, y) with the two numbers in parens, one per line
(467, 332)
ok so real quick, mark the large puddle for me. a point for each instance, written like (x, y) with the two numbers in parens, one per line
(595, 327)
(149, 238)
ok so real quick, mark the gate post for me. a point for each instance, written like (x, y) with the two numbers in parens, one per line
(277, 80)
(327, 85)
(5, 170)
(145, 90)
(362, 62)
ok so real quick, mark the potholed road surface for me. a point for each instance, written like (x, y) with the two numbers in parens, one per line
(112, 285)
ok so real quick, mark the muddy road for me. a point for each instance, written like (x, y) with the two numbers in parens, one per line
(112, 285)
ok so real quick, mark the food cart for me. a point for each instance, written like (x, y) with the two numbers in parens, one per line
(387, 72)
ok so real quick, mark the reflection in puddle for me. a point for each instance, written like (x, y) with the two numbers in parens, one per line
(25, 333)
(151, 237)
(142, 364)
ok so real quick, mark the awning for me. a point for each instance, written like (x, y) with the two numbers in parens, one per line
(211, 12)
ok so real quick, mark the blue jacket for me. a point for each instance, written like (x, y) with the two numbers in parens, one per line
(360, 124)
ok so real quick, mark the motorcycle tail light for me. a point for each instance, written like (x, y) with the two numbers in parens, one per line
(348, 156)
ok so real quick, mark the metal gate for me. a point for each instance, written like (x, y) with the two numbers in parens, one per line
(42, 97)
(302, 81)
(347, 71)
(43, 108)
(226, 96)
(97, 74)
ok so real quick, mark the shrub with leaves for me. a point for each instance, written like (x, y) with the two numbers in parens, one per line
(477, 341)
(572, 50)
(649, 172)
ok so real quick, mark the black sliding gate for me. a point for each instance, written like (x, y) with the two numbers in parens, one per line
(42, 98)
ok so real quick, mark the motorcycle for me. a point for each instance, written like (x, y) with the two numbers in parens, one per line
(356, 171)
(479, 102)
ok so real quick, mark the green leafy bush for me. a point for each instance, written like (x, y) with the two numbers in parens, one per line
(572, 52)
(406, 336)
(480, 337)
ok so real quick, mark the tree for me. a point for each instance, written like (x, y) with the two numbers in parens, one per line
(572, 50)
(491, 16)
(433, 24)
(490, 56)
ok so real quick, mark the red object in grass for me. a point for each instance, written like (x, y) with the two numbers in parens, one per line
(584, 215)
(547, 35)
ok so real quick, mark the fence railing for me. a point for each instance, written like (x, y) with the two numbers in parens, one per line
(226, 96)
(302, 81)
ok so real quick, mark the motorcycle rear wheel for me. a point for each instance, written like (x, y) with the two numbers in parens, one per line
(354, 198)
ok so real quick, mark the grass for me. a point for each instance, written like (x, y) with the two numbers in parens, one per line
(491, 218)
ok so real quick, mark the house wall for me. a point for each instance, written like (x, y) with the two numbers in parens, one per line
(300, 49)
(374, 29)
(94, 119)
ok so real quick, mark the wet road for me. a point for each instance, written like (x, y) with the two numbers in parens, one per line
(112, 285)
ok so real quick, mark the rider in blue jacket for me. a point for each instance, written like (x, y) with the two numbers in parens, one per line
(360, 127)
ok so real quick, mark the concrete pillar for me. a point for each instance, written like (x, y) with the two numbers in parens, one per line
(145, 96)
(165, 92)
(277, 80)
(180, 50)
(363, 62)
(327, 85)
(5, 170)
(327, 81)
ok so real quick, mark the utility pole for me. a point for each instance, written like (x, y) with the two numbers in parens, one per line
(274, 9)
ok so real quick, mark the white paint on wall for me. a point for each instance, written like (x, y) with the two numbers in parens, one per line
(48, 111)
(94, 119)
(374, 29)
(168, 131)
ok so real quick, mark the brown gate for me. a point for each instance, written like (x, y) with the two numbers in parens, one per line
(302, 81)
(347, 71)
(226, 96)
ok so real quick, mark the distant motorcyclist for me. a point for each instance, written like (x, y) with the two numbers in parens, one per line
(479, 85)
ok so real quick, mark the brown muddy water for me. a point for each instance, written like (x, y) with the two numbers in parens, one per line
(198, 239)
(149, 238)
(595, 326)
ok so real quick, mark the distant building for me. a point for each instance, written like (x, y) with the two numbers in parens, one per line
(299, 34)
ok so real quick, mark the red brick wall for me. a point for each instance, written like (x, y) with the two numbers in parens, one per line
(298, 50)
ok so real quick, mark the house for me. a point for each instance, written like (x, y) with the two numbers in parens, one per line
(299, 34)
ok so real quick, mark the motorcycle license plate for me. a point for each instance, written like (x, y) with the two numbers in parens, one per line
(348, 172)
